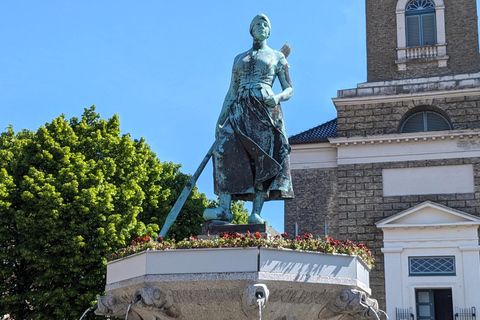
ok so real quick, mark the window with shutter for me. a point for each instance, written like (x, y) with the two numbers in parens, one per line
(425, 121)
(413, 31)
(420, 23)
(421, 32)
(428, 29)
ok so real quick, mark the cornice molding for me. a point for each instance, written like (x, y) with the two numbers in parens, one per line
(405, 96)
(405, 137)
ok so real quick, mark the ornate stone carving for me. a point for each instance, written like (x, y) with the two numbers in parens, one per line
(351, 303)
(154, 299)
(111, 306)
(148, 300)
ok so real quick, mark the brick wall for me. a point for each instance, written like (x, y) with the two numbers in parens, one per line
(361, 204)
(461, 37)
(384, 118)
(316, 200)
(381, 39)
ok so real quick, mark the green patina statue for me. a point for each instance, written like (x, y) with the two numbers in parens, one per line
(251, 153)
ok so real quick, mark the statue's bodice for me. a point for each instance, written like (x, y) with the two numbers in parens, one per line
(258, 69)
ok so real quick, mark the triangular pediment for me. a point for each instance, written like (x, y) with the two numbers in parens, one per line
(429, 214)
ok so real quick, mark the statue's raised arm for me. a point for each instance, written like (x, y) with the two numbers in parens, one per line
(251, 156)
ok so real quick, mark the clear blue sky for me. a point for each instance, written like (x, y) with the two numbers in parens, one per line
(164, 66)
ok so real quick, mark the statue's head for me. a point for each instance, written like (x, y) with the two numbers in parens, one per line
(260, 27)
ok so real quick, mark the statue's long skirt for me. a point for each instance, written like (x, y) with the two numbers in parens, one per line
(252, 150)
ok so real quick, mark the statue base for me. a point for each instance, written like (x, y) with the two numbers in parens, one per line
(216, 227)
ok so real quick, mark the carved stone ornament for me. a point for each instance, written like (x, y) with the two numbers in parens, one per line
(351, 303)
(151, 302)
(154, 299)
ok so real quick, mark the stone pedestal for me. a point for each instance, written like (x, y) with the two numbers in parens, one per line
(214, 229)
(237, 283)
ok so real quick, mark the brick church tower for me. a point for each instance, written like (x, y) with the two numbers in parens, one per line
(399, 168)
(408, 39)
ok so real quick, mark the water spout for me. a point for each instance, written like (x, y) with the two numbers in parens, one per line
(86, 311)
(371, 309)
(260, 302)
(128, 310)
(260, 305)
(386, 315)
(375, 313)
(137, 298)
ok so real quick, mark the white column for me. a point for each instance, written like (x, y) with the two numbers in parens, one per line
(440, 17)
(471, 275)
(401, 40)
(401, 36)
(393, 280)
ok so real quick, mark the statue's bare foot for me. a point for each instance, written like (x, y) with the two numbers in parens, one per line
(255, 219)
(217, 213)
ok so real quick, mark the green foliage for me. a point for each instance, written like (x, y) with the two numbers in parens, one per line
(70, 193)
(237, 208)
(241, 214)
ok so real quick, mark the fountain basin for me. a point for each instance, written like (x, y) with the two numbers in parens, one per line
(228, 283)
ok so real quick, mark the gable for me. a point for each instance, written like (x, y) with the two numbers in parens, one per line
(429, 214)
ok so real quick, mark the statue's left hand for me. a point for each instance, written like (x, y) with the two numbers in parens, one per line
(272, 101)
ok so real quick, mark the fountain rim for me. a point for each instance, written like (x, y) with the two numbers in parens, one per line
(369, 267)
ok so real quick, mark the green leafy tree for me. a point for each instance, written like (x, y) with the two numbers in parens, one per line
(71, 192)
(240, 213)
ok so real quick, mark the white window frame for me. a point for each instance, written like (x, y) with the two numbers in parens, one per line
(437, 52)
(452, 273)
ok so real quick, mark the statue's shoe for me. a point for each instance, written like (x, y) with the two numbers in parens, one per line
(217, 214)
(255, 219)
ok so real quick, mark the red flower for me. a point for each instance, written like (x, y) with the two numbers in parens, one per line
(298, 238)
(307, 236)
(160, 239)
(258, 235)
(284, 235)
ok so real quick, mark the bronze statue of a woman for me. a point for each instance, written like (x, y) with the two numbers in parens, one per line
(251, 157)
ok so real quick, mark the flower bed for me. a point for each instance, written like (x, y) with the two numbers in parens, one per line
(237, 240)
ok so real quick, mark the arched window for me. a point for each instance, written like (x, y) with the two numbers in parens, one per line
(420, 23)
(420, 32)
(425, 121)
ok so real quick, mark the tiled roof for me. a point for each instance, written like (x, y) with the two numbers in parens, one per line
(317, 134)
